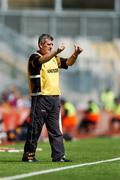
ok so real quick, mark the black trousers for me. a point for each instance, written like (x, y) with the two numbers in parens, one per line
(45, 109)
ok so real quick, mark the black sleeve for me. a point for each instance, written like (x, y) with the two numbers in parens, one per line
(34, 60)
(63, 63)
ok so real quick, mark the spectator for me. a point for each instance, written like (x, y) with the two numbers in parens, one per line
(69, 119)
(90, 118)
(114, 125)
(107, 100)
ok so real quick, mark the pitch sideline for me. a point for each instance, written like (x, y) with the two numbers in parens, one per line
(21, 176)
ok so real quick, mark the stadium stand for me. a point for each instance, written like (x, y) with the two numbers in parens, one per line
(117, 45)
(98, 56)
(95, 26)
(14, 52)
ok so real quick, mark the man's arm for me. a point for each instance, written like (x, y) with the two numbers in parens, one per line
(45, 58)
(71, 60)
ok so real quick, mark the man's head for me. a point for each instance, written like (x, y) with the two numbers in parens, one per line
(45, 43)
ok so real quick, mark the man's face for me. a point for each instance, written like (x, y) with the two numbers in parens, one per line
(46, 47)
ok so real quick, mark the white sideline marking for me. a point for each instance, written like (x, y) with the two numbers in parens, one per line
(21, 176)
(12, 150)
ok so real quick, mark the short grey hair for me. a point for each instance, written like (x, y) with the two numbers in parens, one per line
(43, 37)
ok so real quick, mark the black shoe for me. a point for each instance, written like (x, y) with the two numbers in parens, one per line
(29, 157)
(62, 160)
(29, 160)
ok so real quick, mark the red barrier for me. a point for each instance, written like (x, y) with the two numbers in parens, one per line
(13, 116)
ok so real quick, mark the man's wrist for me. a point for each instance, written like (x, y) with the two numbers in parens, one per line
(58, 50)
(74, 55)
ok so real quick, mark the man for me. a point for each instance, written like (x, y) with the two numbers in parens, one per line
(107, 100)
(69, 119)
(91, 117)
(43, 72)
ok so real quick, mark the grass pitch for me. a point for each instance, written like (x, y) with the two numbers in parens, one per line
(81, 151)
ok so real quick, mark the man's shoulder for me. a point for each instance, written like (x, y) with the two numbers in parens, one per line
(34, 55)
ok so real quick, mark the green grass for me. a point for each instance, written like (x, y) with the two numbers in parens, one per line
(82, 151)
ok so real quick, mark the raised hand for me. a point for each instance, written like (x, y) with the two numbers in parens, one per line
(60, 48)
(77, 50)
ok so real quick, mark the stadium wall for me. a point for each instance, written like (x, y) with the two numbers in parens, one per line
(100, 24)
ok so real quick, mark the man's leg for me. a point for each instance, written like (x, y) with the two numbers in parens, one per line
(54, 132)
(34, 130)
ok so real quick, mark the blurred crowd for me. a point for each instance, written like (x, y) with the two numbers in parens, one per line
(14, 114)
(95, 119)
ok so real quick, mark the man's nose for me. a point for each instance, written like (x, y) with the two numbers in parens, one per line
(51, 46)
